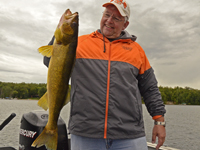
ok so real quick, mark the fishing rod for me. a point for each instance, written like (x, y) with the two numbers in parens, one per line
(7, 121)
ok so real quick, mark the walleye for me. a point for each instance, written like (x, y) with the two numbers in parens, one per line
(63, 54)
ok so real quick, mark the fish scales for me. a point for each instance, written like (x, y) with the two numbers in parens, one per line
(63, 54)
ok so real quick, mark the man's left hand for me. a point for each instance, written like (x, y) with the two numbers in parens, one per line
(160, 132)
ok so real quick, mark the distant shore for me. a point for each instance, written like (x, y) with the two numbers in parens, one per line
(167, 103)
(17, 99)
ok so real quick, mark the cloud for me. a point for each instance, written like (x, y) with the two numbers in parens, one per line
(169, 34)
(168, 31)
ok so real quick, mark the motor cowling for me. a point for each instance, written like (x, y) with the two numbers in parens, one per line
(32, 124)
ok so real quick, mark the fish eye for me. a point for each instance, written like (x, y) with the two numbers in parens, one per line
(74, 24)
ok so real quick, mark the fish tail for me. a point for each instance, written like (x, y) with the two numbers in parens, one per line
(49, 138)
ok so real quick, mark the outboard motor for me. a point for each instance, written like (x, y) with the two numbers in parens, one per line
(32, 124)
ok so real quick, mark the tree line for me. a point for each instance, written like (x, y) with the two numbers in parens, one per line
(22, 90)
(179, 95)
(176, 95)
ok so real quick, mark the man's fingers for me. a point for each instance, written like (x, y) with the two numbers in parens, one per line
(158, 146)
(158, 131)
(153, 138)
(160, 142)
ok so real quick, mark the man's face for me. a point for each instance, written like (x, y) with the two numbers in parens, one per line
(112, 23)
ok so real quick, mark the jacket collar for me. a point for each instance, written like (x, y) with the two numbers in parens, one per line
(125, 36)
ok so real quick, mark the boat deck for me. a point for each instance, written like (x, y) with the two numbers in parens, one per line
(153, 147)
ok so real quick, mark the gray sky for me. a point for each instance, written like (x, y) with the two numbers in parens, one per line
(168, 31)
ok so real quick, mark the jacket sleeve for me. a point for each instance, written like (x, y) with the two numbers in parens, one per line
(46, 60)
(150, 92)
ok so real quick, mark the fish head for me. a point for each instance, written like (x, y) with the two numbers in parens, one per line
(67, 29)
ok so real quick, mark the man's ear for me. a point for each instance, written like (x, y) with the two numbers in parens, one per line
(126, 24)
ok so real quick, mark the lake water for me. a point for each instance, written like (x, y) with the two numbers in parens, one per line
(183, 123)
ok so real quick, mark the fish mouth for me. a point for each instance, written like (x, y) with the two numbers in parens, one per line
(68, 18)
(68, 12)
(71, 18)
(69, 15)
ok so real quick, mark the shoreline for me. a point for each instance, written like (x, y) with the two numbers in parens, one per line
(30, 99)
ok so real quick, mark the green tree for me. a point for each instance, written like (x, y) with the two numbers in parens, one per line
(14, 94)
(33, 91)
(1, 85)
(41, 91)
(22, 90)
(7, 91)
(24, 93)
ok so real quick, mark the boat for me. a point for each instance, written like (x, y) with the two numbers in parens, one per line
(33, 123)
(152, 146)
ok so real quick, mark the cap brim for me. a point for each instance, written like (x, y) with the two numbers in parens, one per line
(117, 6)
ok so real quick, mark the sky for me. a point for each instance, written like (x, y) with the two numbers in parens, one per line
(168, 31)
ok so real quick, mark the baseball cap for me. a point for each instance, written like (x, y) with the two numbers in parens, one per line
(121, 5)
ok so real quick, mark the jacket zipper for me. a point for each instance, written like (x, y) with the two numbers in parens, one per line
(107, 96)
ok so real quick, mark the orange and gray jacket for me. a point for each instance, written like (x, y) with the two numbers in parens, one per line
(107, 83)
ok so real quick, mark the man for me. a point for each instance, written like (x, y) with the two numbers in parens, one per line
(110, 75)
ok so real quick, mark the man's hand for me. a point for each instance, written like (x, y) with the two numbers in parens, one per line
(159, 131)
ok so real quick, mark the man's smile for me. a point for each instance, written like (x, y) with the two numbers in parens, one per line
(109, 26)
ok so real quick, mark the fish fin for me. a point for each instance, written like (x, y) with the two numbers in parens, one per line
(43, 102)
(58, 35)
(49, 138)
(46, 50)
